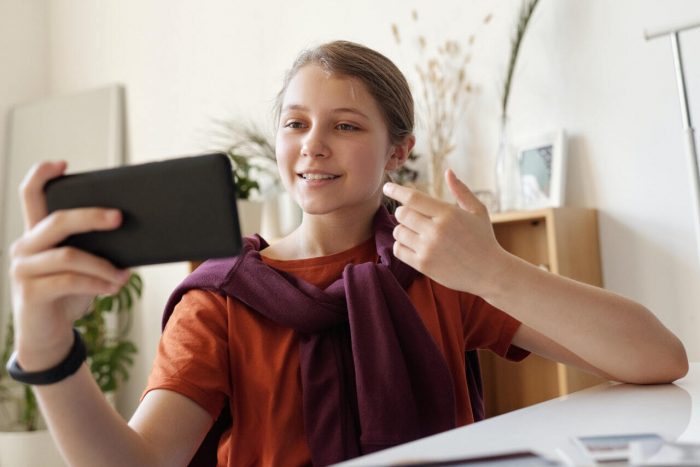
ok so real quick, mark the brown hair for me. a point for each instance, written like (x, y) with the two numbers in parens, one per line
(383, 80)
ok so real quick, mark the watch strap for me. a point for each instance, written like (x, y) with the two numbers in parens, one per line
(75, 358)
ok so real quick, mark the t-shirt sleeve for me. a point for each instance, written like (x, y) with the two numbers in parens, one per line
(192, 357)
(487, 327)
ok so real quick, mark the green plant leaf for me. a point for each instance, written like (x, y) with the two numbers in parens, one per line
(109, 360)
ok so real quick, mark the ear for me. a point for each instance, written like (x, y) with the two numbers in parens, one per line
(400, 152)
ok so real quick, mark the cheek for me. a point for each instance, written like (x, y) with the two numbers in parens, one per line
(284, 168)
(282, 155)
(368, 171)
(285, 155)
(375, 161)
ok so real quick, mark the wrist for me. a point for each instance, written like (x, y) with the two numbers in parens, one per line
(35, 354)
(66, 367)
(501, 278)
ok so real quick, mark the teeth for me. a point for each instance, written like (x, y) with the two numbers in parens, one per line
(317, 176)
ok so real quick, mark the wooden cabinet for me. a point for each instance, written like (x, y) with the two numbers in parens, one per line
(563, 241)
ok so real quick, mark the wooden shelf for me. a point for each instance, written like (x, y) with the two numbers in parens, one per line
(564, 241)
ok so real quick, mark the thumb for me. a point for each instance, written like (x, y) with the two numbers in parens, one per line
(464, 196)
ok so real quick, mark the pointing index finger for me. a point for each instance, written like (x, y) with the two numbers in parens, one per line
(412, 198)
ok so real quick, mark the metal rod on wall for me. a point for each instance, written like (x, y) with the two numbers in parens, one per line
(688, 131)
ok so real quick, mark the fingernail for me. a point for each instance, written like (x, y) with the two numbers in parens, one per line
(388, 188)
(113, 215)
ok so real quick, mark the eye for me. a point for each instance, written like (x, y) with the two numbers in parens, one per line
(294, 124)
(347, 127)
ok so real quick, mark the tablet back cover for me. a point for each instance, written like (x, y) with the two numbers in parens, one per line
(174, 210)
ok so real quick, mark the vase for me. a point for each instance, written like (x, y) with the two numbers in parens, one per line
(29, 448)
(290, 213)
(249, 216)
(506, 171)
(280, 216)
(436, 172)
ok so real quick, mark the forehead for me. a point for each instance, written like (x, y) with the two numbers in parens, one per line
(314, 86)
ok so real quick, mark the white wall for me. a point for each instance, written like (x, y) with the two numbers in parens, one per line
(23, 77)
(584, 67)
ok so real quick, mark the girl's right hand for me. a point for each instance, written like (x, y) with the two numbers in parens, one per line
(53, 286)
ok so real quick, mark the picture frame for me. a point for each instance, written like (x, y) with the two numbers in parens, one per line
(541, 162)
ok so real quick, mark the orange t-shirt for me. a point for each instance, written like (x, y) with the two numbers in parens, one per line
(215, 348)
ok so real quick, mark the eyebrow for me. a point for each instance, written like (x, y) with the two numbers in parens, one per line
(336, 110)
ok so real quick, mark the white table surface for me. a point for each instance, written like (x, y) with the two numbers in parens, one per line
(670, 410)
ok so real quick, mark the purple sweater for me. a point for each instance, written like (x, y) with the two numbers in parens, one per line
(359, 333)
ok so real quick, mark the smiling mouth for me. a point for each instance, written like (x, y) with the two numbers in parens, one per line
(317, 176)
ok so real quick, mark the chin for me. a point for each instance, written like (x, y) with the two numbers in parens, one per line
(321, 208)
(318, 209)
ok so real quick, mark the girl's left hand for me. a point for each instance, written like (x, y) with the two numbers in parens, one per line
(453, 245)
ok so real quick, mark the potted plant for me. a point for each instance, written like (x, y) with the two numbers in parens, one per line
(263, 207)
(110, 353)
(252, 154)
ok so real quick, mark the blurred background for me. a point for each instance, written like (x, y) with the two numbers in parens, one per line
(583, 67)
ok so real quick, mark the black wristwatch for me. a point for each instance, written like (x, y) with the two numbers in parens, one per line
(61, 371)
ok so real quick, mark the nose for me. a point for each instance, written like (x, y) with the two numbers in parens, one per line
(314, 145)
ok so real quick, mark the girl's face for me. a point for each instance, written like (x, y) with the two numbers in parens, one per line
(332, 143)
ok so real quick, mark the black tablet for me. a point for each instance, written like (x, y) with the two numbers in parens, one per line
(174, 210)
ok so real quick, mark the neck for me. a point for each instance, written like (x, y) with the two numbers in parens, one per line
(326, 234)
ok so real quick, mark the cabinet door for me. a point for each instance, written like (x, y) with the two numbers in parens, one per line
(562, 241)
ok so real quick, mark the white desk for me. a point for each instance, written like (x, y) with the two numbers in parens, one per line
(671, 410)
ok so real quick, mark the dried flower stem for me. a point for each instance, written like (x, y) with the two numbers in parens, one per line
(441, 97)
(526, 10)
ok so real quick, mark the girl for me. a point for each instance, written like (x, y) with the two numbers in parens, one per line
(344, 337)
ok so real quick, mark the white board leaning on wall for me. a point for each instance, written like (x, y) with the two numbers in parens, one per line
(86, 129)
